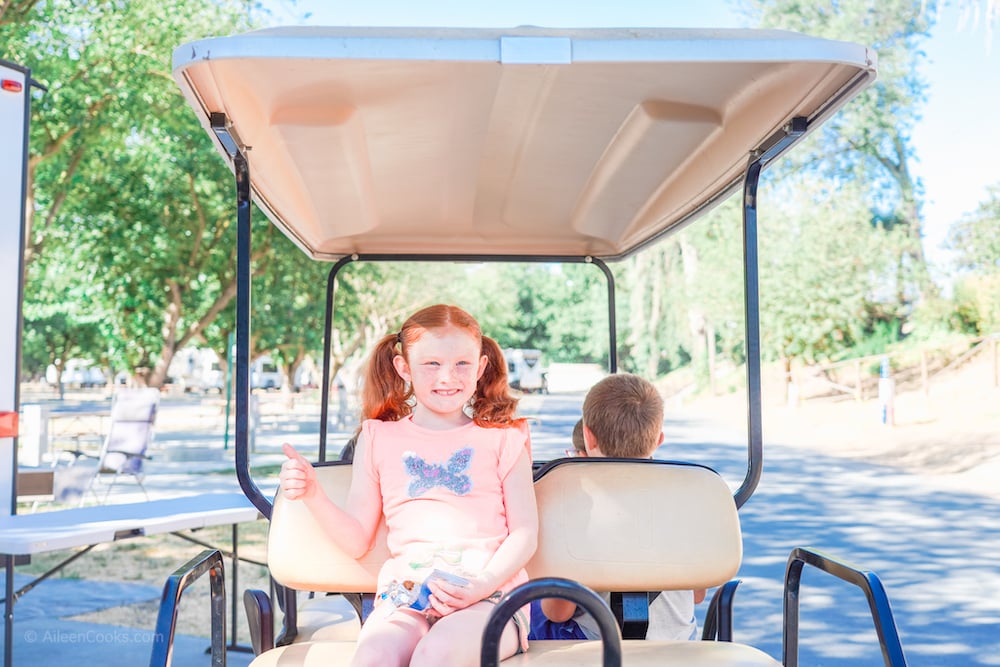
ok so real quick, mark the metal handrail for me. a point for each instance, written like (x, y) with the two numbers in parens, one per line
(209, 561)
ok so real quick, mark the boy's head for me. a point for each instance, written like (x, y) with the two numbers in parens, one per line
(578, 443)
(623, 417)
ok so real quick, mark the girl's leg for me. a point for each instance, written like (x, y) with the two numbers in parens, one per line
(388, 637)
(456, 639)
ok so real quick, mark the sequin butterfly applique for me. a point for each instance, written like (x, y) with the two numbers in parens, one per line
(425, 476)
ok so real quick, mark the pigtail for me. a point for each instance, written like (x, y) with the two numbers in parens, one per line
(385, 395)
(493, 405)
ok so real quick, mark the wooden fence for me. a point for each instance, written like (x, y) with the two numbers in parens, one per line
(911, 369)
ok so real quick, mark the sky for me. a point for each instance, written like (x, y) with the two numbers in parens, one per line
(957, 140)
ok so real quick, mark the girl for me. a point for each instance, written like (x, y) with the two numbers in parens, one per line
(443, 459)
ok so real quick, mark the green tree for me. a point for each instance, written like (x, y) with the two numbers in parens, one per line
(15, 11)
(107, 69)
(164, 240)
(371, 299)
(558, 309)
(118, 169)
(288, 303)
(685, 298)
(868, 142)
(826, 270)
(975, 240)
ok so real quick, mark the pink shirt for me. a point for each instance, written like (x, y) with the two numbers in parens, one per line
(442, 495)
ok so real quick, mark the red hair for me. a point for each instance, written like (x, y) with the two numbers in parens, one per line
(386, 397)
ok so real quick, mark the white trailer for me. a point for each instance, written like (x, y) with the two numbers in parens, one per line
(265, 373)
(525, 371)
(14, 108)
(197, 369)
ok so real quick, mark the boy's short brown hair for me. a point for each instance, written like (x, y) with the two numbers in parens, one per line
(625, 414)
(578, 443)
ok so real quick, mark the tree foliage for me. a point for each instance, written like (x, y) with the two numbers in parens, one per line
(825, 271)
(975, 240)
(117, 170)
(15, 11)
(869, 141)
(683, 298)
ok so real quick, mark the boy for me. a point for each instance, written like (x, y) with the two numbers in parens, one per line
(622, 418)
(579, 447)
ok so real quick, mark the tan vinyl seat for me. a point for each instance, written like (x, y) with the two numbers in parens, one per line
(635, 653)
(612, 525)
(301, 557)
(628, 525)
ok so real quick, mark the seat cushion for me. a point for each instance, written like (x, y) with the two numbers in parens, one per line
(635, 653)
(327, 617)
(639, 652)
(308, 654)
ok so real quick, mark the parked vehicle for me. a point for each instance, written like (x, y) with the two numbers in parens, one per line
(266, 374)
(527, 144)
(78, 373)
(525, 371)
(307, 376)
(197, 369)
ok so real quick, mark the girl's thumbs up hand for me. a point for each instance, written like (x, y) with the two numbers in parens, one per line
(297, 476)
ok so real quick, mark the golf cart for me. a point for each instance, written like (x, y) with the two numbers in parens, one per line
(527, 145)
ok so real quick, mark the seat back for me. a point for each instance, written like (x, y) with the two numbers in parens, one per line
(635, 525)
(612, 524)
(133, 414)
(302, 557)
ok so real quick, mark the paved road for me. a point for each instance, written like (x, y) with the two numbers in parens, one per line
(937, 551)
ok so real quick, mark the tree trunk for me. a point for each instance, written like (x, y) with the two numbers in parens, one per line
(697, 323)
(710, 348)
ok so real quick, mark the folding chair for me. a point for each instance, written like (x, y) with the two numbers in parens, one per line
(133, 414)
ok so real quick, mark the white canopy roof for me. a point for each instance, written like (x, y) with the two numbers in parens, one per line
(524, 141)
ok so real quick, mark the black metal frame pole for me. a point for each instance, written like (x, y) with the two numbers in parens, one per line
(347, 259)
(324, 407)
(612, 318)
(234, 147)
(243, 275)
(751, 309)
(769, 149)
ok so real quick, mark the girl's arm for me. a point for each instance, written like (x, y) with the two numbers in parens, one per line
(522, 525)
(351, 528)
(513, 554)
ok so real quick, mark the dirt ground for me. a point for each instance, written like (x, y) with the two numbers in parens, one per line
(948, 431)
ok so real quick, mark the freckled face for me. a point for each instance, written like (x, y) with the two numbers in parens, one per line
(443, 368)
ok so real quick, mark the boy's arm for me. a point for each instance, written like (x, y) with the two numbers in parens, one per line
(699, 595)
